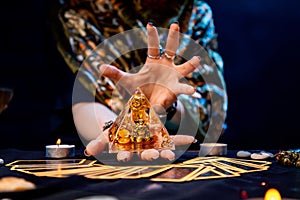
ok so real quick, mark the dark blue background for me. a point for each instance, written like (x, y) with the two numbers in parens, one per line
(259, 42)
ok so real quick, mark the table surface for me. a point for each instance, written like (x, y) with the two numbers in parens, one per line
(284, 179)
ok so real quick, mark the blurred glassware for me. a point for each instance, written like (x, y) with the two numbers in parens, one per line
(6, 95)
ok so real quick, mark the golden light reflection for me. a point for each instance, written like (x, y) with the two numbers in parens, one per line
(59, 175)
(272, 194)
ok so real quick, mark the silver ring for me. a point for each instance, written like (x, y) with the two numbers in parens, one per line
(153, 57)
(169, 57)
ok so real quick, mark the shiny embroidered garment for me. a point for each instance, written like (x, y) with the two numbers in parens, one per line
(86, 26)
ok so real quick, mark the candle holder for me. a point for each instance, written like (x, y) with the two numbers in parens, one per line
(60, 151)
(213, 149)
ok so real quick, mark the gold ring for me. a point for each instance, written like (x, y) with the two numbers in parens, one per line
(153, 57)
(169, 57)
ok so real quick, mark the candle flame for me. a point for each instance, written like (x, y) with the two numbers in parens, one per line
(58, 142)
(272, 194)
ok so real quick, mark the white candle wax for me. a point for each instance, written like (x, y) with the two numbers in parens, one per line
(213, 149)
(60, 151)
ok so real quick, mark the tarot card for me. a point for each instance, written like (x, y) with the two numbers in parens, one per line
(146, 171)
(52, 169)
(201, 160)
(258, 162)
(98, 169)
(240, 167)
(210, 173)
(178, 173)
(113, 173)
(219, 171)
(49, 164)
(66, 172)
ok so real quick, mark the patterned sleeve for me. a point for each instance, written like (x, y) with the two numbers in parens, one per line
(81, 27)
(210, 101)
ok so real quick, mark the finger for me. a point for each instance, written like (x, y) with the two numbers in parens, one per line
(153, 41)
(124, 156)
(183, 88)
(167, 154)
(96, 146)
(183, 139)
(111, 72)
(172, 40)
(149, 154)
(188, 66)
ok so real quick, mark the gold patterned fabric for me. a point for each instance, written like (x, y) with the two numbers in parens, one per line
(84, 24)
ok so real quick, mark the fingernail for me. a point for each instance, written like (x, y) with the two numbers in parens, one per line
(171, 159)
(196, 94)
(151, 23)
(123, 160)
(193, 90)
(175, 23)
(195, 141)
(86, 153)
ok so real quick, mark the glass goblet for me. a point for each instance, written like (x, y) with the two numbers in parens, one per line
(6, 95)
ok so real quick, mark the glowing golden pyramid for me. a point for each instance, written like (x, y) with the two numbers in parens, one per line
(138, 128)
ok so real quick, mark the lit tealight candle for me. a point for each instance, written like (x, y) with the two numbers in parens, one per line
(213, 149)
(60, 150)
(272, 194)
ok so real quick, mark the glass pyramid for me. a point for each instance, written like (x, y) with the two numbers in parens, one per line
(138, 128)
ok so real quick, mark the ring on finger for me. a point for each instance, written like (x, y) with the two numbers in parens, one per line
(169, 56)
(153, 57)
